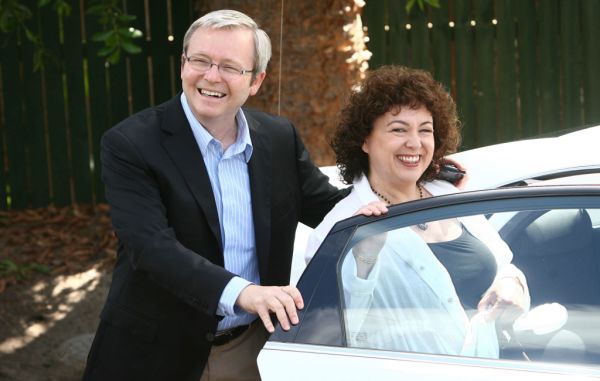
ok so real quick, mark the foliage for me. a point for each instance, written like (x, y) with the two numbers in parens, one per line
(117, 37)
(21, 271)
(421, 3)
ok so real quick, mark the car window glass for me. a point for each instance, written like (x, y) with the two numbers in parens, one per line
(423, 288)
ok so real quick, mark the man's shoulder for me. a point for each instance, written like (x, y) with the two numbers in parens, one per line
(149, 120)
(254, 116)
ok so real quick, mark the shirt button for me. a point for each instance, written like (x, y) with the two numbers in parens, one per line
(450, 300)
(422, 268)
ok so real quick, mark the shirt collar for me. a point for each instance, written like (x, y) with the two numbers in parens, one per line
(242, 144)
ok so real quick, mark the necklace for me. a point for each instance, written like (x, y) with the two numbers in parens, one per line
(422, 226)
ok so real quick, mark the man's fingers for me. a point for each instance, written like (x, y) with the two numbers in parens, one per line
(283, 302)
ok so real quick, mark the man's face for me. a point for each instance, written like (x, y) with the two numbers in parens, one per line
(213, 97)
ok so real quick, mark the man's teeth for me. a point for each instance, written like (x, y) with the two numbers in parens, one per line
(211, 93)
(409, 159)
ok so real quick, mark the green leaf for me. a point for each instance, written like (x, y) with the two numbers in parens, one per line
(125, 18)
(409, 5)
(131, 48)
(105, 51)
(102, 36)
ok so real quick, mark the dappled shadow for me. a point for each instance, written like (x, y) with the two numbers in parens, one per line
(46, 327)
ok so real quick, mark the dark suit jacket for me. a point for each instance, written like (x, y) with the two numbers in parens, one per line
(159, 318)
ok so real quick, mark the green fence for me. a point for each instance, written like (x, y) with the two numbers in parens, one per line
(516, 68)
(51, 120)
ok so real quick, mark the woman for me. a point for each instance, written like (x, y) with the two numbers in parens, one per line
(390, 143)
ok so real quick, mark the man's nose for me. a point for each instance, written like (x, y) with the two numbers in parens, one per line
(213, 73)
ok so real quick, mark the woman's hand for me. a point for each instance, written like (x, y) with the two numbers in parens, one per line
(504, 301)
(462, 182)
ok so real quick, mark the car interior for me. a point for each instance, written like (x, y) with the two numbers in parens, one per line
(559, 253)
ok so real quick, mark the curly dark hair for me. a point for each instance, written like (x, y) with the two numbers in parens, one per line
(388, 88)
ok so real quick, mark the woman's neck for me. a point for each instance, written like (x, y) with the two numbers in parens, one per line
(396, 194)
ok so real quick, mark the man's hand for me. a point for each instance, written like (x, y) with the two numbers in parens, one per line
(263, 300)
(374, 208)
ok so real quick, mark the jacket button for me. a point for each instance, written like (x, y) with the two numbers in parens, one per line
(210, 337)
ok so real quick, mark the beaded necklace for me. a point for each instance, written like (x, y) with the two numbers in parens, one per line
(421, 226)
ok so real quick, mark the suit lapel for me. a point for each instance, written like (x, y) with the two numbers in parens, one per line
(179, 142)
(259, 170)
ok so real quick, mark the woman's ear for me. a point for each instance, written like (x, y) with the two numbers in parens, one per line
(365, 146)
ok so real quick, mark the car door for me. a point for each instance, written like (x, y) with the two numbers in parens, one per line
(405, 319)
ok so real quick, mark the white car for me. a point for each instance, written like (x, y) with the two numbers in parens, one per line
(553, 231)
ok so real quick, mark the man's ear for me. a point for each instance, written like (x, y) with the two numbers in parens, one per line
(255, 85)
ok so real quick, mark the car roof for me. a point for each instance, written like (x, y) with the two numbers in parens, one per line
(506, 163)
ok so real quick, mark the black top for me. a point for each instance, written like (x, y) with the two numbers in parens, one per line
(471, 265)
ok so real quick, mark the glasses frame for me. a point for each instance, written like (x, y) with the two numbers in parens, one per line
(220, 67)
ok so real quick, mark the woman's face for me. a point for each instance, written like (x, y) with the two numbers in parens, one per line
(400, 146)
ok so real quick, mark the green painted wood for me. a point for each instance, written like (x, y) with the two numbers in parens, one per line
(506, 83)
(464, 40)
(159, 52)
(485, 89)
(398, 48)
(78, 119)
(58, 122)
(571, 64)
(590, 11)
(138, 63)
(548, 67)
(374, 19)
(442, 45)
(99, 100)
(3, 180)
(14, 128)
(420, 41)
(529, 117)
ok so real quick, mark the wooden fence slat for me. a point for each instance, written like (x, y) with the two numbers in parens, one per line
(528, 112)
(80, 148)
(419, 41)
(160, 52)
(590, 10)
(397, 48)
(58, 130)
(464, 71)
(3, 180)
(485, 97)
(373, 11)
(570, 49)
(548, 68)
(15, 132)
(99, 99)
(507, 127)
(442, 42)
(140, 81)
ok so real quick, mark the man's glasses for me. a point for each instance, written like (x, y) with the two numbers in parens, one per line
(203, 65)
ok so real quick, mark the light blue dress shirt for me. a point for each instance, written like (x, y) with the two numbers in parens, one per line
(228, 172)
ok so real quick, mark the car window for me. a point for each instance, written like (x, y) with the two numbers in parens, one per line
(426, 288)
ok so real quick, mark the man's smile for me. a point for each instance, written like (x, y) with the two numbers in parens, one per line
(210, 93)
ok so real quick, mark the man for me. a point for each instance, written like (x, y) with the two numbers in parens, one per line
(205, 197)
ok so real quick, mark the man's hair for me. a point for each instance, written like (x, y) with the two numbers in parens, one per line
(230, 19)
(393, 88)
